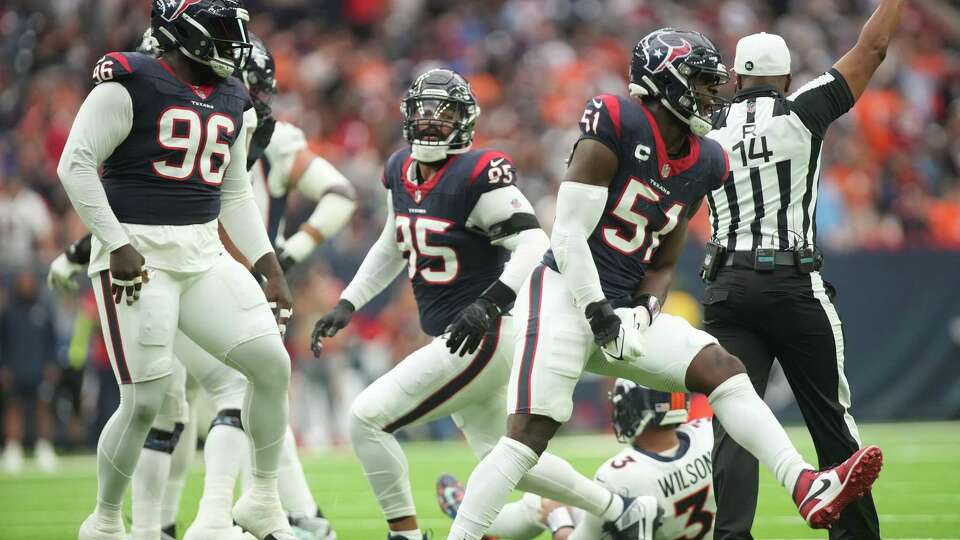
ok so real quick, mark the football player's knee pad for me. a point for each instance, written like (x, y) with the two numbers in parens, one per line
(164, 441)
(264, 360)
(229, 418)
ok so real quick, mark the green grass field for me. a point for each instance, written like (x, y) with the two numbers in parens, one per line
(918, 493)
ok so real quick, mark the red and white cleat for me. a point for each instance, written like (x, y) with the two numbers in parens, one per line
(822, 495)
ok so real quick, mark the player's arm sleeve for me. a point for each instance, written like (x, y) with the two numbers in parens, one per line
(336, 201)
(579, 209)
(102, 123)
(239, 214)
(381, 265)
(507, 217)
(821, 101)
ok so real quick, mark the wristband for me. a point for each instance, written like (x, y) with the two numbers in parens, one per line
(559, 518)
(500, 294)
(651, 303)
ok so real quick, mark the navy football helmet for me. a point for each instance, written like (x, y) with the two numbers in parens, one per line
(259, 71)
(211, 32)
(668, 63)
(440, 115)
(636, 407)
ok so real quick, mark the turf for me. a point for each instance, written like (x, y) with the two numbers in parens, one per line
(918, 493)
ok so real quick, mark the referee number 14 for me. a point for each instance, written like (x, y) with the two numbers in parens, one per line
(749, 151)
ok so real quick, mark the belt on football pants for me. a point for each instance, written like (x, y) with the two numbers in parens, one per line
(747, 259)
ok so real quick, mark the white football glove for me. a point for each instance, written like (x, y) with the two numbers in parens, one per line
(61, 275)
(631, 343)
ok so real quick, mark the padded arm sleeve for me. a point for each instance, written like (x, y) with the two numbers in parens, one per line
(239, 214)
(579, 208)
(507, 217)
(102, 123)
(381, 265)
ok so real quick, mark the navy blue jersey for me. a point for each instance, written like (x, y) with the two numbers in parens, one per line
(649, 194)
(449, 264)
(169, 169)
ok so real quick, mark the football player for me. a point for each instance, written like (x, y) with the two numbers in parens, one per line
(468, 237)
(168, 132)
(668, 460)
(637, 174)
(283, 152)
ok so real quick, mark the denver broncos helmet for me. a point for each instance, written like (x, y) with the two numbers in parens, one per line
(440, 115)
(635, 407)
(665, 65)
(211, 32)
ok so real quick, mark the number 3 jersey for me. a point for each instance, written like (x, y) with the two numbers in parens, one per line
(450, 258)
(682, 484)
(648, 196)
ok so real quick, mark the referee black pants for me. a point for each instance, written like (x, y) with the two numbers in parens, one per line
(790, 317)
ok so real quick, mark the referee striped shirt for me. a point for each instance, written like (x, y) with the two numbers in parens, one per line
(774, 143)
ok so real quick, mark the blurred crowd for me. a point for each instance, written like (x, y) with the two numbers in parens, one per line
(891, 173)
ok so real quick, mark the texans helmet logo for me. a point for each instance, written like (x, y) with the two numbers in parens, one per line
(664, 53)
(170, 10)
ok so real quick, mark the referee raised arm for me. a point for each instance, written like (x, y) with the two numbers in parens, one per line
(765, 298)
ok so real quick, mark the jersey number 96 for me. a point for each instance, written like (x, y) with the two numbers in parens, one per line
(182, 129)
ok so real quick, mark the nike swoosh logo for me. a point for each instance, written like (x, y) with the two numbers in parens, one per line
(496, 162)
(825, 485)
(598, 103)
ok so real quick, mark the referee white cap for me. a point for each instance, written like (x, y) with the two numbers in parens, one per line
(762, 55)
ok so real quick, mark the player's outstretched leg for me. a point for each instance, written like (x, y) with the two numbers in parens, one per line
(117, 453)
(518, 520)
(819, 496)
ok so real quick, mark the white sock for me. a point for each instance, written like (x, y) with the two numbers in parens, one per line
(519, 520)
(385, 466)
(222, 455)
(295, 494)
(180, 463)
(489, 486)
(149, 484)
(556, 479)
(414, 534)
(750, 423)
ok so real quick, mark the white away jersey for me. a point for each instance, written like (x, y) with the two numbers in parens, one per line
(682, 484)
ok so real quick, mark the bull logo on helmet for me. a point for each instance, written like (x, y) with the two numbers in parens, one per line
(170, 10)
(665, 53)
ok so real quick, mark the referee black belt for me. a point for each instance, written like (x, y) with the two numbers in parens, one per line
(747, 259)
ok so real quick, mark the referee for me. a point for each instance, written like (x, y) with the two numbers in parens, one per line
(765, 298)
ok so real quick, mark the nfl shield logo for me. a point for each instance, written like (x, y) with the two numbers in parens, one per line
(665, 170)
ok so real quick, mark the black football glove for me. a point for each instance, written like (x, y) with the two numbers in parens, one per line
(604, 323)
(331, 323)
(471, 325)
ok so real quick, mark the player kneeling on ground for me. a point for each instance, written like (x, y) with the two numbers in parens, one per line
(667, 465)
